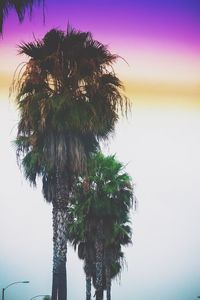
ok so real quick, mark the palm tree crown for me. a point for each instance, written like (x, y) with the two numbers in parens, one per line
(68, 98)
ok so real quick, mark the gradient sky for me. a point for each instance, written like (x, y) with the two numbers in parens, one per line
(160, 40)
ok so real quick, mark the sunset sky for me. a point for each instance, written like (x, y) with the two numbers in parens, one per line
(159, 42)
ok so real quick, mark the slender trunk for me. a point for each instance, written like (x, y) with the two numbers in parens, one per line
(88, 277)
(108, 282)
(99, 262)
(107, 260)
(88, 286)
(60, 221)
(59, 286)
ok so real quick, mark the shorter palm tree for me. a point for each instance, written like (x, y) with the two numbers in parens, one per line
(100, 205)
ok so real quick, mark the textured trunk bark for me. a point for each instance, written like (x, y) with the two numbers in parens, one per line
(99, 294)
(99, 262)
(108, 283)
(60, 221)
(88, 287)
(107, 260)
(59, 286)
(89, 259)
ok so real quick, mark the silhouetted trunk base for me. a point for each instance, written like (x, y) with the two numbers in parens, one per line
(99, 294)
(88, 287)
(108, 283)
(59, 286)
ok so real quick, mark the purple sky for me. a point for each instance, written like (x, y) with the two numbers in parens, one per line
(160, 146)
(157, 21)
(159, 39)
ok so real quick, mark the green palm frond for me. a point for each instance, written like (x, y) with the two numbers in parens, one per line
(106, 193)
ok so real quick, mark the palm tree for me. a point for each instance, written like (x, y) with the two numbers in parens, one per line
(20, 6)
(101, 204)
(68, 98)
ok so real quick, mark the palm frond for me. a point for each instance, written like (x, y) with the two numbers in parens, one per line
(34, 49)
(20, 6)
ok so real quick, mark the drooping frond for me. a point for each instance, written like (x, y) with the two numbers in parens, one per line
(20, 6)
(4, 7)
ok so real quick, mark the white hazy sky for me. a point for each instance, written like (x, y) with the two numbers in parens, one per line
(160, 144)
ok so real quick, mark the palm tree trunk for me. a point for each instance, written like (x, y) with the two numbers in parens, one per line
(89, 259)
(88, 287)
(60, 222)
(107, 259)
(99, 262)
(108, 282)
(59, 286)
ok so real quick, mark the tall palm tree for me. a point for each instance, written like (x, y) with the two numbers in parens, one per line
(101, 204)
(69, 99)
(20, 6)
